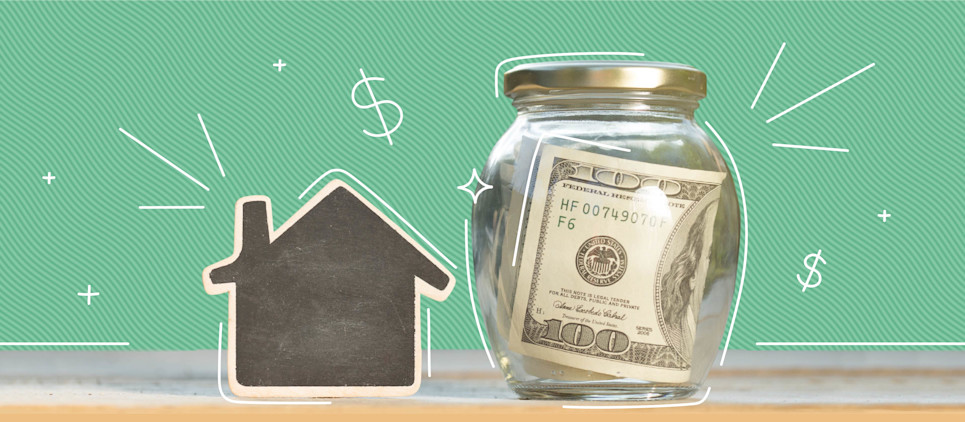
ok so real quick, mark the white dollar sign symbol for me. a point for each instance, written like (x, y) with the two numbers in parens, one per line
(386, 132)
(807, 283)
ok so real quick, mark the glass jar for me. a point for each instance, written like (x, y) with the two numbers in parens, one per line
(606, 253)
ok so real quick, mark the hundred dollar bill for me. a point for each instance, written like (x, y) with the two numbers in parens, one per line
(615, 254)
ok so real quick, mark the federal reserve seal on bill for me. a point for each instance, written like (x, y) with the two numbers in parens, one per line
(601, 261)
(614, 259)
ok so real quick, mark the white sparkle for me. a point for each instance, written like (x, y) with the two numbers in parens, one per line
(884, 216)
(89, 294)
(474, 180)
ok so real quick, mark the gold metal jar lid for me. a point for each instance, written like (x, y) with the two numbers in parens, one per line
(605, 75)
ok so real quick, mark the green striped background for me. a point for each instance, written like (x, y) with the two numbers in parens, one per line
(72, 73)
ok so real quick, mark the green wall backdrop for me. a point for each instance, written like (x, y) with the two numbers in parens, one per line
(71, 74)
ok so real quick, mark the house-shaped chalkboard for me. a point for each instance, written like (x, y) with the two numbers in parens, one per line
(328, 304)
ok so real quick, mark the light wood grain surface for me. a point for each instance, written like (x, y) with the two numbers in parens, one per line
(462, 382)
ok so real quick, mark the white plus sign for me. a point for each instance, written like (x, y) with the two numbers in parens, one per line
(884, 216)
(280, 65)
(49, 177)
(88, 294)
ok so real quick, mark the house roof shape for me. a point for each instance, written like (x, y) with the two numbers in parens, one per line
(318, 303)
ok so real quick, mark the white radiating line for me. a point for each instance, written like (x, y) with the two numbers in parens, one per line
(759, 91)
(529, 176)
(397, 215)
(472, 301)
(171, 207)
(65, 343)
(429, 340)
(810, 147)
(168, 162)
(641, 406)
(740, 289)
(235, 401)
(820, 92)
(211, 144)
(541, 56)
(860, 343)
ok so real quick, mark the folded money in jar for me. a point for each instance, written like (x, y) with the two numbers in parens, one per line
(606, 254)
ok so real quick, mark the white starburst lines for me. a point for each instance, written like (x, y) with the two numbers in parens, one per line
(768, 76)
(184, 173)
(806, 100)
(802, 102)
(210, 144)
(165, 160)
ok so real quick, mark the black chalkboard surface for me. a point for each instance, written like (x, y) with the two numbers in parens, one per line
(327, 305)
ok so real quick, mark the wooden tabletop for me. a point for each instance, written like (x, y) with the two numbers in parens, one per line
(463, 382)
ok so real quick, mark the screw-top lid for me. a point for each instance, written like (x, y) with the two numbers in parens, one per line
(605, 75)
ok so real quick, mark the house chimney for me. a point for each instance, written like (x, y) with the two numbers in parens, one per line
(254, 226)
